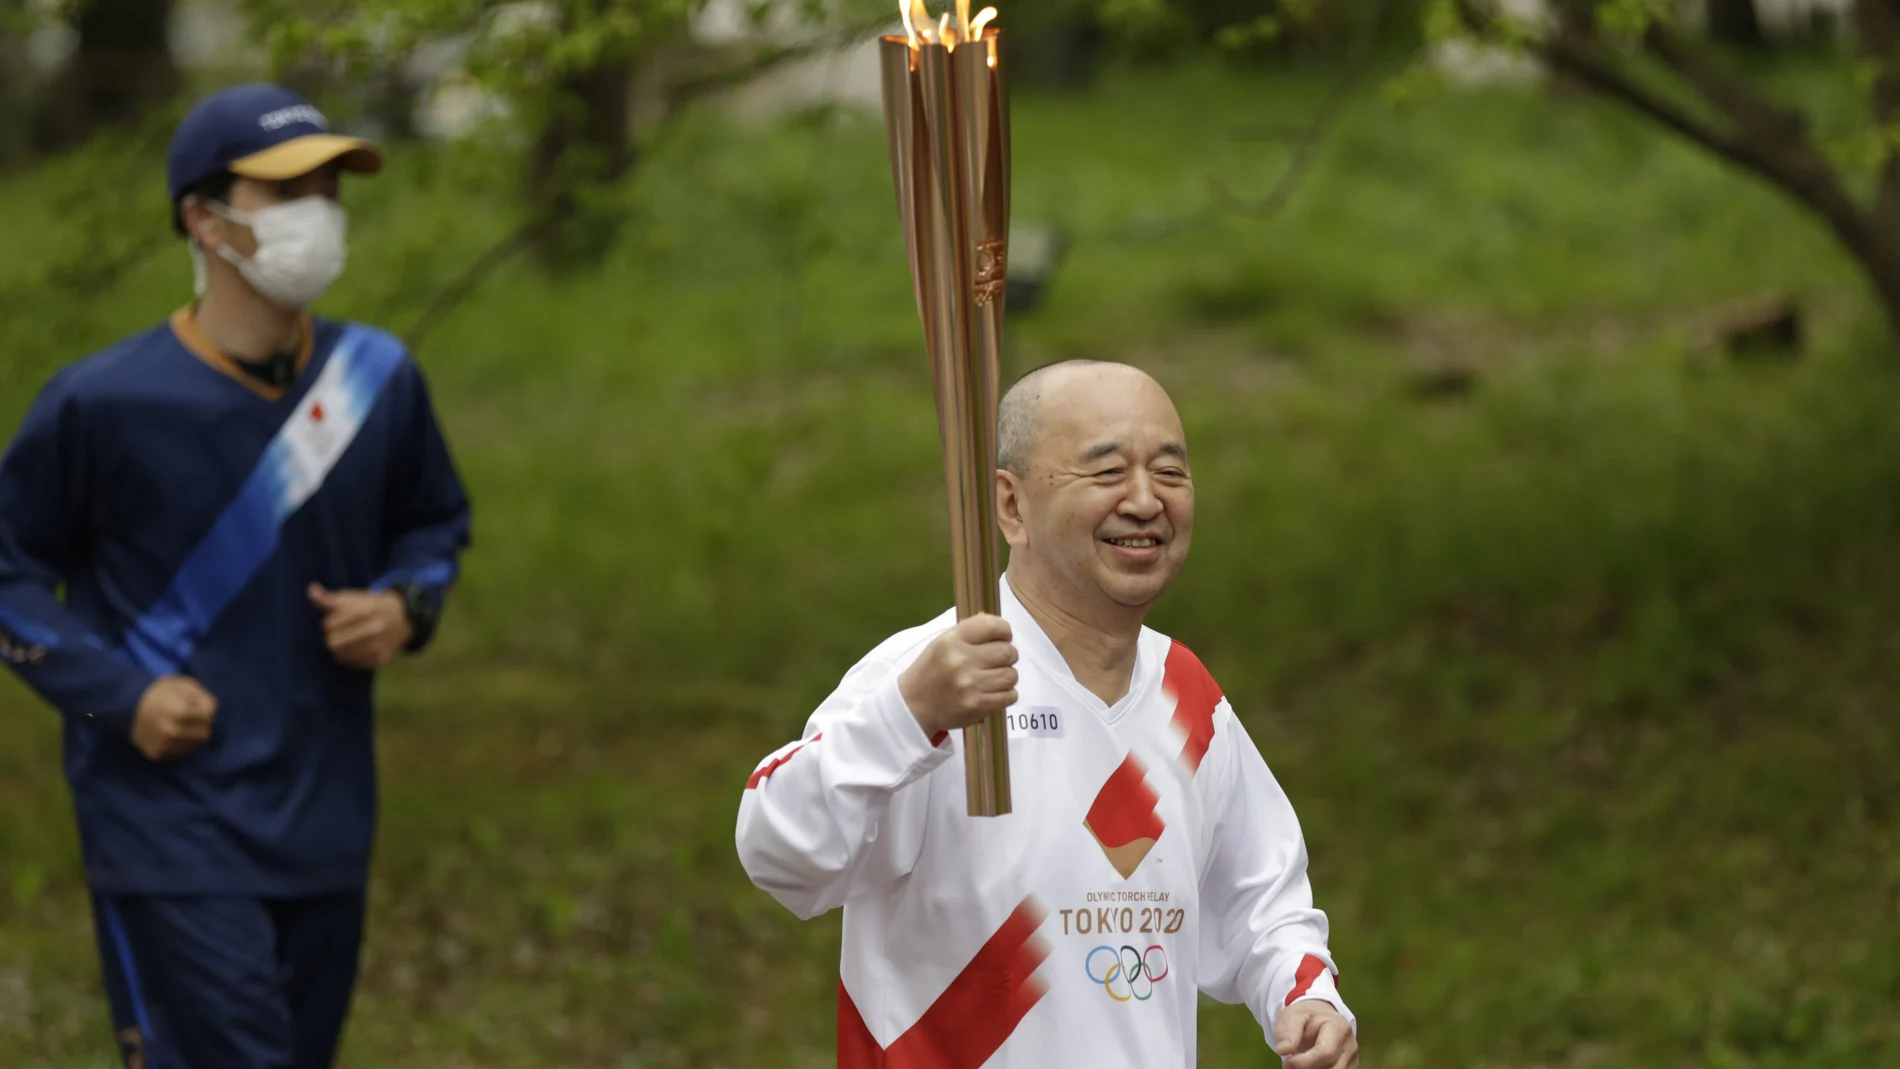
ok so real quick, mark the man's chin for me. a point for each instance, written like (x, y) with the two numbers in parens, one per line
(1137, 592)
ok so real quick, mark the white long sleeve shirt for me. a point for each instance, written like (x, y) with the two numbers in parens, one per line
(1150, 855)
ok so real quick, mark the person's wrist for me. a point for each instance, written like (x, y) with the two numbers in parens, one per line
(417, 613)
(404, 621)
(920, 712)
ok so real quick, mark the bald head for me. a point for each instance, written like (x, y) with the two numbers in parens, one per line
(1093, 491)
(1020, 422)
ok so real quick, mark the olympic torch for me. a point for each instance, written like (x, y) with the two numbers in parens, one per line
(946, 112)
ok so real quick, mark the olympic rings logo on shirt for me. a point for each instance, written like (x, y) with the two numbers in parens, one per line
(1127, 974)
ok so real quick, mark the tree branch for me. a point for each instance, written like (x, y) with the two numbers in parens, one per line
(1307, 141)
(1755, 114)
(524, 236)
(1761, 136)
(1792, 164)
(474, 275)
(1581, 62)
(764, 60)
(1306, 150)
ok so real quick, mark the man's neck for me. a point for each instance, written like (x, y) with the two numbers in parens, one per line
(1098, 645)
(246, 327)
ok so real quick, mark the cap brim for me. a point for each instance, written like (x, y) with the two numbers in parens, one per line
(301, 155)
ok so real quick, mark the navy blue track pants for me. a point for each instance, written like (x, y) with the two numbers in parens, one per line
(216, 982)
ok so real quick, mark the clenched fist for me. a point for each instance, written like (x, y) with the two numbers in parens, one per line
(1314, 1035)
(964, 675)
(363, 630)
(174, 718)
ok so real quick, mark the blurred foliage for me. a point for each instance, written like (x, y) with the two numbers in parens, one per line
(1862, 147)
(17, 18)
(119, 66)
(1582, 677)
(559, 75)
(520, 51)
(1256, 30)
(1646, 55)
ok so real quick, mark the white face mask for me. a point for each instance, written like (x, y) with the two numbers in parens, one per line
(300, 250)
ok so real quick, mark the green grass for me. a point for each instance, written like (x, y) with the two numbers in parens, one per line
(1582, 682)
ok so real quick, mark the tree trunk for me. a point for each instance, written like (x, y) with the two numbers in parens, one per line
(1882, 263)
(122, 65)
(1805, 175)
(1877, 25)
(1874, 246)
(1734, 22)
(587, 138)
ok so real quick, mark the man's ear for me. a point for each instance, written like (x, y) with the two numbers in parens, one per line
(1009, 508)
(202, 225)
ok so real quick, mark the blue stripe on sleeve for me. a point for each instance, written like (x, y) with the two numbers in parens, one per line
(30, 632)
(434, 575)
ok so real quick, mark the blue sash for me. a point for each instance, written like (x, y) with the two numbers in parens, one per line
(291, 470)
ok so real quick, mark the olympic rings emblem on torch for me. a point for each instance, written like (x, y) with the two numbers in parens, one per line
(1127, 974)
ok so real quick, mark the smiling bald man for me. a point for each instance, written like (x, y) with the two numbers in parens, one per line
(1150, 856)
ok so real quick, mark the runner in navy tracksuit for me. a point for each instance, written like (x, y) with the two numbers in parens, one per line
(250, 510)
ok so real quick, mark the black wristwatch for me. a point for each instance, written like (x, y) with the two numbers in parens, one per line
(423, 612)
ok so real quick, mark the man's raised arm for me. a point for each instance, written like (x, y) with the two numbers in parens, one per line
(830, 815)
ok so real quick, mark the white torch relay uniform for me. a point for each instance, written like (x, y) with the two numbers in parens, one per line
(1150, 855)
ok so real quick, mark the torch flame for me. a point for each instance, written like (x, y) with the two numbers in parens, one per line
(948, 31)
(916, 21)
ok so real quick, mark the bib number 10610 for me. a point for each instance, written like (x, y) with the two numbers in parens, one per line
(1034, 722)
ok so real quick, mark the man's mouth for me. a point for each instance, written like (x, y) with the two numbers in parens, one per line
(1134, 542)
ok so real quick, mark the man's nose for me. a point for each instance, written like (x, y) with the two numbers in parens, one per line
(1141, 502)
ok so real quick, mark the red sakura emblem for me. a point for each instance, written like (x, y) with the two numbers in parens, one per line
(316, 412)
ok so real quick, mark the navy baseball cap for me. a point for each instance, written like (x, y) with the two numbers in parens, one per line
(258, 131)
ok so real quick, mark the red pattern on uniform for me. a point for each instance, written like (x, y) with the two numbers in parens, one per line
(1310, 969)
(1195, 695)
(760, 776)
(973, 1016)
(1124, 809)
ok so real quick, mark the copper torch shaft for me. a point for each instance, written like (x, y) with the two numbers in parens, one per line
(946, 115)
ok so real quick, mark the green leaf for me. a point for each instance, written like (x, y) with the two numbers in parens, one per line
(1415, 84)
(1869, 148)
(1628, 19)
(287, 41)
(1443, 23)
(1243, 35)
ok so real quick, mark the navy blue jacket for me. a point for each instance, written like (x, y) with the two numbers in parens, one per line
(183, 509)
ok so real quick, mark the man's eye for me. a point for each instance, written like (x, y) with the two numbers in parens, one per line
(1109, 473)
